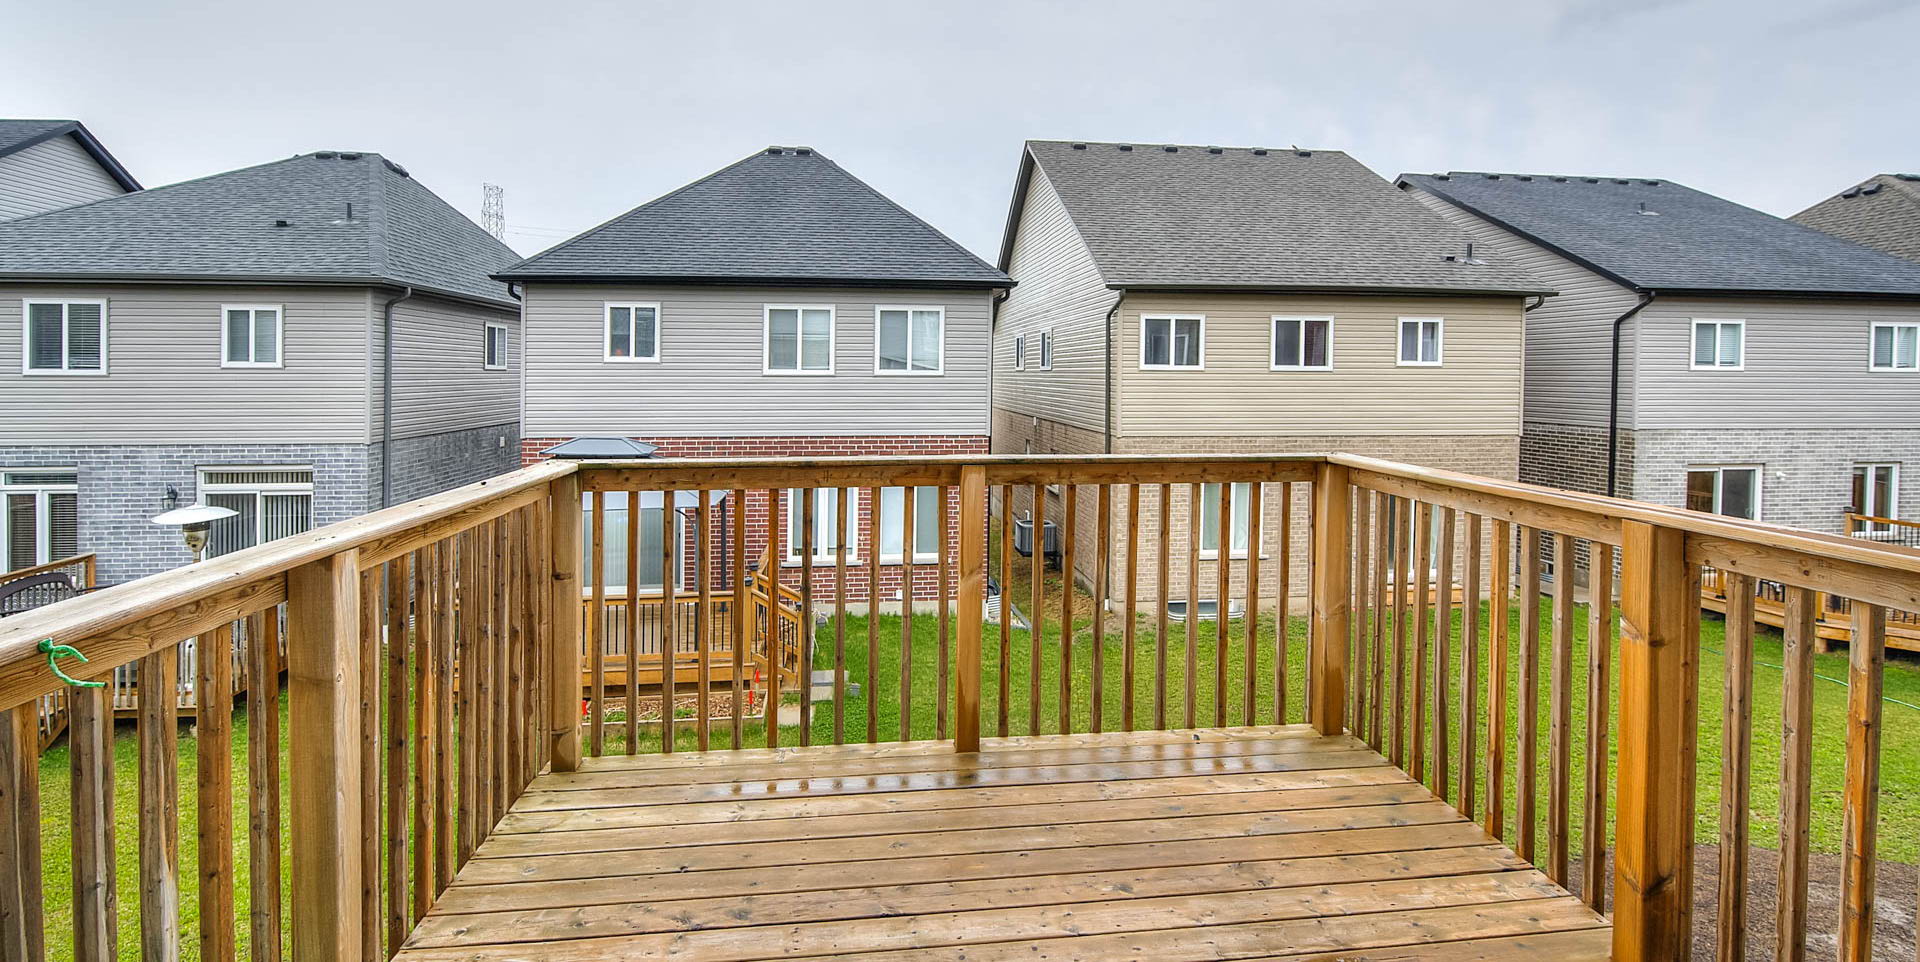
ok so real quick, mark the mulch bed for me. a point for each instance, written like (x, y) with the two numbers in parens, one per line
(719, 705)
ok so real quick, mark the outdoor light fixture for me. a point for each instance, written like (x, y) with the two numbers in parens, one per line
(171, 499)
(195, 522)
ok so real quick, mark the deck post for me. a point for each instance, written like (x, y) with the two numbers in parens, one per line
(323, 694)
(1657, 598)
(972, 601)
(563, 704)
(1332, 597)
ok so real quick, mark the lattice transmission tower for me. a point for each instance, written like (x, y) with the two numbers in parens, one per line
(493, 210)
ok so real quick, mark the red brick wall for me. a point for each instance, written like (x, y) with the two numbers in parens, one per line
(926, 586)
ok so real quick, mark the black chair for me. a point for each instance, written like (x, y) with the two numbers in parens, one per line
(26, 594)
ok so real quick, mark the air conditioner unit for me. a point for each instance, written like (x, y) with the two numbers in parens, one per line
(1023, 538)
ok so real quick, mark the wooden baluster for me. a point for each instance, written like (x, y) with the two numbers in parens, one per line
(469, 681)
(597, 621)
(446, 860)
(499, 584)
(1163, 585)
(873, 615)
(909, 520)
(425, 621)
(22, 906)
(703, 625)
(371, 602)
(1129, 628)
(1006, 610)
(742, 608)
(1500, 612)
(1362, 613)
(1102, 554)
(1038, 619)
(840, 615)
(96, 901)
(1282, 592)
(1250, 645)
(1860, 821)
(944, 599)
(324, 667)
(669, 633)
(1736, 773)
(1796, 771)
(159, 837)
(1382, 614)
(213, 777)
(1593, 849)
(1560, 722)
(806, 616)
(563, 612)
(774, 644)
(1403, 528)
(1069, 520)
(972, 590)
(1422, 634)
(1222, 623)
(263, 783)
(1327, 643)
(396, 761)
(1191, 669)
(1529, 763)
(1471, 626)
(1659, 602)
(632, 613)
(1443, 653)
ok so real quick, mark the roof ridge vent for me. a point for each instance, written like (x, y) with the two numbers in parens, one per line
(1215, 150)
(1526, 177)
(803, 151)
(1259, 151)
(1079, 146)
(1906, 176)
(1870, 189)
(324, 154)
(349, 155)
(1171, 149)
(1124, 146)
(1303, 153)
(775, 151)
(1559, 180)
(396, 168)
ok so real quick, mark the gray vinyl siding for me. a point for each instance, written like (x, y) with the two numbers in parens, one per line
(439, 373)
(1806, 366)
(1475, 391)
(711, 379)
(1570, 335)
(50, 175)
(1057, 286)
(165, 384)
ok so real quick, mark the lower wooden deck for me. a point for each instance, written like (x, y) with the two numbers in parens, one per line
(1257, 843)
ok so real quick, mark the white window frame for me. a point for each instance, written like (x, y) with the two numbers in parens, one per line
(824, 501)
(1273, 341)
(1895, 367)
(259, 491)
(1439, 341)
(1171, 319)
(1719, 484)
(921, 553)
(1236, 516)
(1019, 352)
(939, 369)
(506, 346)
(800, 337)
(42, 507)
(683, 580)
(26, 345)
(279, 335)
(606, 332)
(1719, 323)
(1892, 511)
(1046, 349)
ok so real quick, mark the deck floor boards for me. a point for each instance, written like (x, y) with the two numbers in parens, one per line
(1256, 843)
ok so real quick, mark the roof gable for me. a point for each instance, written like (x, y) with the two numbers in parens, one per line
(1883, 213)
(1182, 217)
(18, 135)
(328, 216)
(1658, 235)
(780, 215)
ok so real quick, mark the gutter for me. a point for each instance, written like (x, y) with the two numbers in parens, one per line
(386, 397)
(1122, 296)
(1613, 392)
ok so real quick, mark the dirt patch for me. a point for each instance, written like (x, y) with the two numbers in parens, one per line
(1893, 929)
(719, 705)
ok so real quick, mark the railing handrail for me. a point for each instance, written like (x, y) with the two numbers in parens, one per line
(57, 564)
(1853, 516)
(23, 674)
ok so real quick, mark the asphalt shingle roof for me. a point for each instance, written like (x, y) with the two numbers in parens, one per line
(18, 134)
(783, 214)
(1176, 217)
(13, 133)
(347, 217)
(1680, 240)
(1882, 213)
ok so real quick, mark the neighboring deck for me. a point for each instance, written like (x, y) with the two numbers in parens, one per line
(1253, 843)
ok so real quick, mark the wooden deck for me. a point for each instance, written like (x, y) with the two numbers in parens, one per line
(1253, 843)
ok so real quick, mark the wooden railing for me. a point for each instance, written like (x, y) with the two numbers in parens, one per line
(436, 663)
(1884, 530)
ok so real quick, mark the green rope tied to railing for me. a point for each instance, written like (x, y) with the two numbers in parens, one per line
(56, 652)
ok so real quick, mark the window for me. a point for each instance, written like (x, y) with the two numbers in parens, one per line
(799, 339)
(1020, 353)
(1732, 491)
(825, 526)
(1046, 350)
(613, 542)
(272, 503)
(1896, 347)
(926, 524)
(1876, 494)
(1303, 343)
(1719, 345)
(633, 332)
(65, 337)
(909, 340)
(251, 335)
(1174, 341)
(1421, 341)
(496, 347)
(1210, 520)
(39, 516)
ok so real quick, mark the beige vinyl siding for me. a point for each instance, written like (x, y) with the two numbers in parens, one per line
(50, 175)
(1056, 286)
(439, 376)
(1805, 366)
(710, 380)
(1475, 391)
(1570, 336)
(165, 384)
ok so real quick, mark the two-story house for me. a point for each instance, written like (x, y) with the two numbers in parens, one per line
(1882, 212)
(776, 307)
(1208, 299)
(259, 340)
(1701, 353)
(49, 164)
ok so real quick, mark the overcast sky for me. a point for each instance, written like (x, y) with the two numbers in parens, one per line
(584, 110)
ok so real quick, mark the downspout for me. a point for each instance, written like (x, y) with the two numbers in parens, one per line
(1110, 365)
(1613, 393)
(386, 397)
